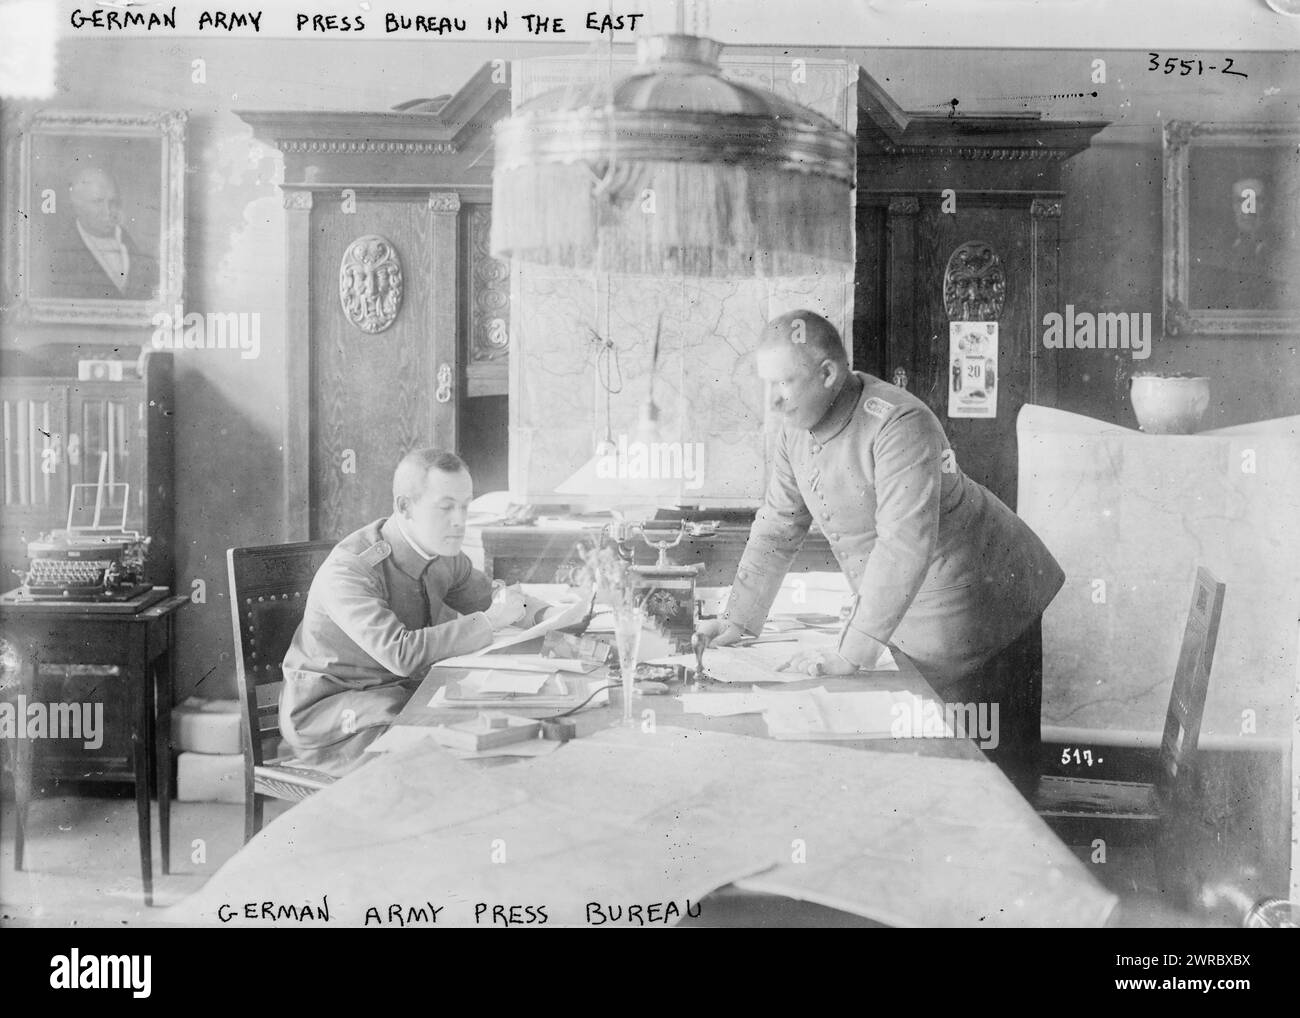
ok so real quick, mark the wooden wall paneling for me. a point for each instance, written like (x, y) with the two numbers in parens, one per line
(158, 421)
(919, 238)
(487, 310)
(870, 338)
(1004, 171)
(398, 157)
(369, 391)
(1045, 296)
(297, 365)
(899, 288)
(986, 450)
(447, 367)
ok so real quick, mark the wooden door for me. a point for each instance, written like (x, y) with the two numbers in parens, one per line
(1015, 235)
(375, 395)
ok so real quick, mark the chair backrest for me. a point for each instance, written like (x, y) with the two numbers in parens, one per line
(268, 596)
(1191, 682)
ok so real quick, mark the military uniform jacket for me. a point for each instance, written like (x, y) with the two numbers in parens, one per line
(364, 630)
(942, 568)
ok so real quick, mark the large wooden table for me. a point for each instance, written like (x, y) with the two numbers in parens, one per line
(732, 904)
(705, 818)
(668, 710)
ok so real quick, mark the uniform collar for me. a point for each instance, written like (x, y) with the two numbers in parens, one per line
(840, 412)
(406, 557)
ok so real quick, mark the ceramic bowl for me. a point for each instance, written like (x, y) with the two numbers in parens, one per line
(1169, 405)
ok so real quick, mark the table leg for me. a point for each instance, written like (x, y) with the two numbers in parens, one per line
(22, 764)
(163, 725)
(137, 672)
(22, 760)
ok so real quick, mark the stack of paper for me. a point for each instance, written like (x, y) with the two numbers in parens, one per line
(524, 691)
(495, 680)
(485, 681)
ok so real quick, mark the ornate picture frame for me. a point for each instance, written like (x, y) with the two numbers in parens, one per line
(99, 216)
(1231, 228)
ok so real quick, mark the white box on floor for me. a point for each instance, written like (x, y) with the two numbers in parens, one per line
(210, 777)
(206, 726)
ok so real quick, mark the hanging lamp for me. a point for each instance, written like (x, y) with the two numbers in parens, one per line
(673, 169)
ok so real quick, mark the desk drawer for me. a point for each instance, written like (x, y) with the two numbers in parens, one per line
(90, 703)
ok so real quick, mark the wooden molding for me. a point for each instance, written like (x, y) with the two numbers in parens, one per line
(445, 202)
(884, 128)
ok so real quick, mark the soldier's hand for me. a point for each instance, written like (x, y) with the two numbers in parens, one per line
(819, 662)
(719, 633)
(507, 608)
(570, 614)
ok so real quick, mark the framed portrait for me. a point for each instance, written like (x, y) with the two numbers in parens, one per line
(1232, 228)
(99, 214)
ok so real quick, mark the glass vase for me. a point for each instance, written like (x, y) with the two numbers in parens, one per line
(628, 624)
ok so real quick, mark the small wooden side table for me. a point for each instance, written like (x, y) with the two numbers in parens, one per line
(141, 644)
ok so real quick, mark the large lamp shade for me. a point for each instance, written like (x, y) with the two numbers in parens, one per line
(671, 170)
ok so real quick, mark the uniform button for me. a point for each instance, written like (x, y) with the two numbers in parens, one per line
(816, 447)
(835, 537)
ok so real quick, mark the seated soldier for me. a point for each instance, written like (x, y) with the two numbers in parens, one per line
(392, 599)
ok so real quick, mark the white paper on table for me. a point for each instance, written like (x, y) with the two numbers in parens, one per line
(817, 714)
(493, 681)
(758, 663)
(601, 622)
(517, 662)
(722, 705)
(440, 701)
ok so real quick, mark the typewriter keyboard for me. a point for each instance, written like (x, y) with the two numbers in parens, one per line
(67, 572)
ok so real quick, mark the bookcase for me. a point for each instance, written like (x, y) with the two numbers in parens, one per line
(55, 430)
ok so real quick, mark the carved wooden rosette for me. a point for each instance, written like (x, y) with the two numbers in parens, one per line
(974, 284)
(370, 283)
(489, 292)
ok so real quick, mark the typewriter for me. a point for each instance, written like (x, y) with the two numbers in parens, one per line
(96, 558)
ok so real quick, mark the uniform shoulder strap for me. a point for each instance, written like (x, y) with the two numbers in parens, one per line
(375, 554)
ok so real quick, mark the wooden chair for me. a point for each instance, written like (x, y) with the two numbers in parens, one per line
(1065, 800)
(268, 595)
